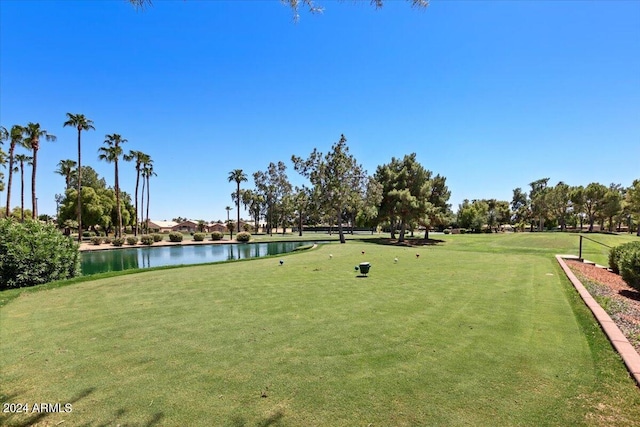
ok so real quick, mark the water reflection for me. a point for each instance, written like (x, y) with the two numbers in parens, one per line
(125, 259)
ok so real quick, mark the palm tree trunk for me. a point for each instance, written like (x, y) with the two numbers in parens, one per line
(33, 179)
(22, 191)
(147, 219)
(79, 207)
(238, 206)
(135, 232)
(118, 202)
(142, 201)
(8, 207)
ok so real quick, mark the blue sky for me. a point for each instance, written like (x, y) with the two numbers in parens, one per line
(492, 95)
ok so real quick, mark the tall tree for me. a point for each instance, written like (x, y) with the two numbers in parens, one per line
(272, 185)
(406, 190)
(612, 204)
(23, 159)
(16, 138)
(560, 203)
(594, 195)
(80, 122)
(253, 202)
(334, 177)
(147, 173)
(238, 176)
(632, 198)
(66, 168)
(539, 200)
(32, 134)
(139, 158)
(111, 153)
(4, 136)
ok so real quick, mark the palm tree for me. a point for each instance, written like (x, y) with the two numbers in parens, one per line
(66, 168)
(33, 132)
(147, 173)
(111, 153)
(22, 159)
(140, 158)
(238, 176)
(80, 122)
(16, 138)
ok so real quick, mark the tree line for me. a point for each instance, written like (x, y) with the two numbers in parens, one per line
(91, 203)
(549, 207)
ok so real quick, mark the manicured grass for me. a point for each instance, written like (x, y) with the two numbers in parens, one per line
(478, 330)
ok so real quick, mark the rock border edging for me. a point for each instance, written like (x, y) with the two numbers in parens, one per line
(628, 353)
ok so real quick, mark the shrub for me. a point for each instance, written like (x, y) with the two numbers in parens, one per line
(614, 258)
(198, 237)
(243, 236)
(107, 239)
(175, 236)
(629, 264)
(157, 237)
(96, 240)
(32, 253)
(132, 240)
(147, 239)
(118, 241)
(216, 235)
(447, 231)
(463, 231)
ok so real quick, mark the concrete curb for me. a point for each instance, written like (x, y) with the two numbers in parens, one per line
(628, 353)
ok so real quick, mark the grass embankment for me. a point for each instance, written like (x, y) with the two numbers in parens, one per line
(479, 330)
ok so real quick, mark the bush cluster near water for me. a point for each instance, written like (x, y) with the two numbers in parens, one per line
(243, 236)
(625, 260)
(32, 254)
(216, 235)
(198, 237)
(175, 236)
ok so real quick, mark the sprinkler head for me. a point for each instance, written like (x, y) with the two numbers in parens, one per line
(281, 262)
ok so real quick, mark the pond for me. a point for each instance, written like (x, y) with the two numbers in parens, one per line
(93, 262)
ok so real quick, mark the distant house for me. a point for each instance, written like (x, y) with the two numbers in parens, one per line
(161, 226)
(216, 226)
(188, 226)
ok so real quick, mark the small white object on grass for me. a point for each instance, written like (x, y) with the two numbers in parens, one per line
(395, 260)
(330, 256)
(281, 262)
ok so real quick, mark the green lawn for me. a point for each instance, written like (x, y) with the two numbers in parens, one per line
(478, 330)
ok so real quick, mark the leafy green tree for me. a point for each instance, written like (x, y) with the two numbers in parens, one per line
(139, 158)
(611, 205)
(406, 188)
(81, 123)
(473, 215)
(559, 201)
(367, 213)
(577, 203)
(111, 153)
(632, 198)
(237, 176)
(22, 159)
(32, 134)
(334, 177)
(253, 202)
(439, 212)
(272, 185)
(66, 168)
(16, 139)
(539, 197)
(594, 196)
(520, 206)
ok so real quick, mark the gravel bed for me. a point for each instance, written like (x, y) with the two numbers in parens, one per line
(618, 299)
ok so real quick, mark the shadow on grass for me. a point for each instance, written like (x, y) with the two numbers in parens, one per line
(41, 415)
(273, 419)
(409, 241)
